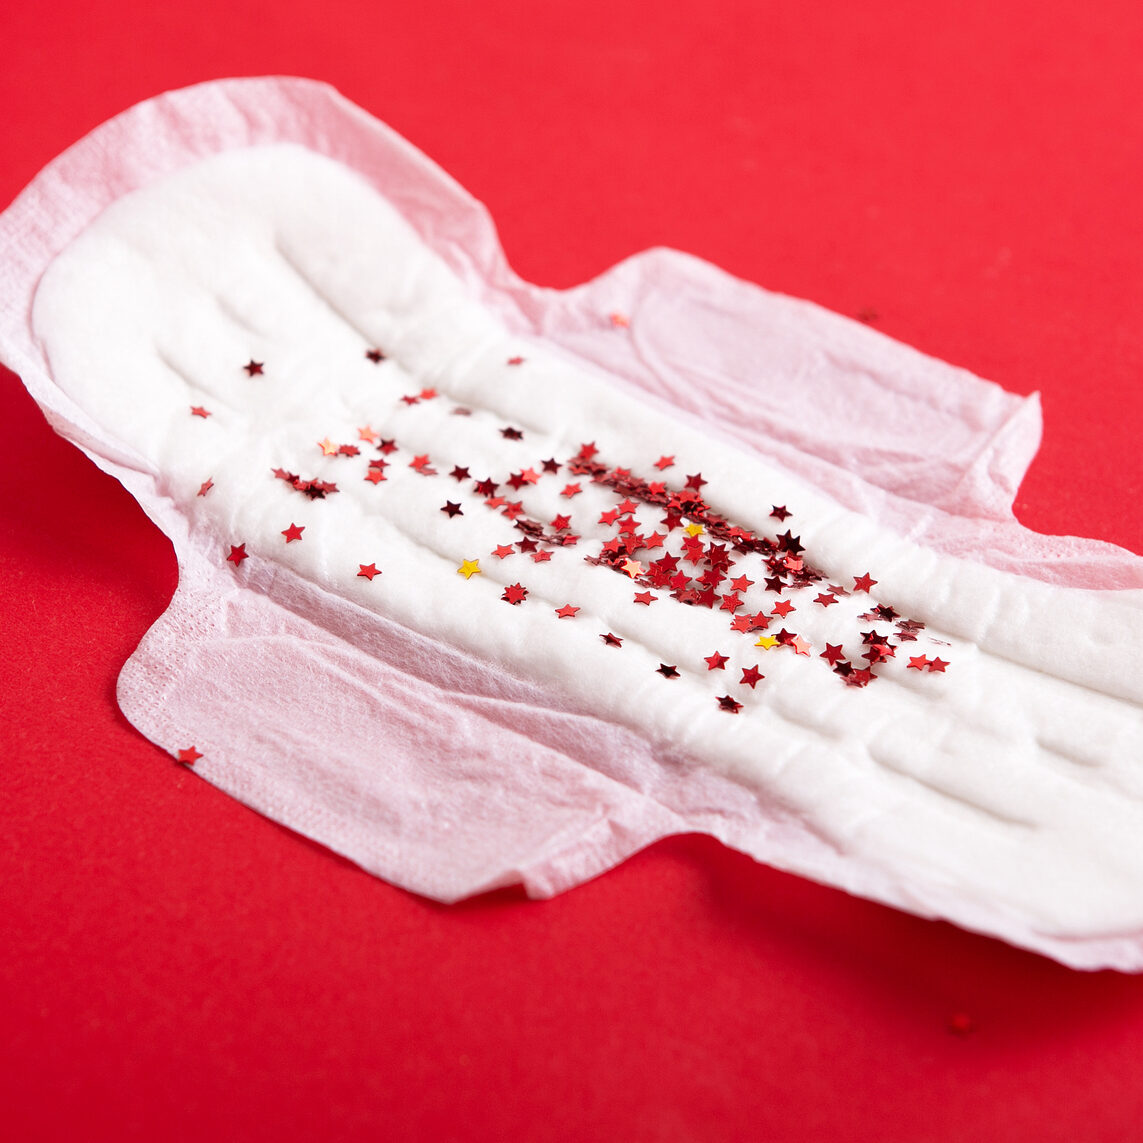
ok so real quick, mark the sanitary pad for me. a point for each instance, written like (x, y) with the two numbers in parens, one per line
(484, 584)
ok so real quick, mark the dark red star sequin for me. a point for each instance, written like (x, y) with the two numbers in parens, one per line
(375, 355)
(458, 474)
(645, 597)
(511, 434)
(205, 487)
(667, 671)
(612, 640)
(751, 676)
(515, 593)
(779, 513)
(726, 703)
(237, 554)
(253, 368)
(863, 582)
(451, 509)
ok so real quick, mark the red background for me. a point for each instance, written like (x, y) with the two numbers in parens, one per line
(173, 966)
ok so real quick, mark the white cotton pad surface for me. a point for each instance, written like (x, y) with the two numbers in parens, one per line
(484, 584)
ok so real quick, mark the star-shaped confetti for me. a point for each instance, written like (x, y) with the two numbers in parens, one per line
(612, 640)
(253, 368)
(918, 662)
(368, 571)
(515, 593)
(726, 703)
(863, 582)
(645, 597)
(779, 513)
(469, 568)
(567, 611)
(515, 360)
(511, 434)
(293, 532)
(450, 509)
(751, 676)
(189, 756)
(938, 665)
(766, 642)
(205, 487)
(199, 411)
(237, 554)
(716, 662)
(668, 672)
(458, 474)
(503, 551)
(375, 355)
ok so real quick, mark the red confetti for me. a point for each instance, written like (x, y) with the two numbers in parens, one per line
(668, 672)
(751, 676)
(237, 554)
(293, 532)
(612, 640)
(567, 611)
(189, 756)
(452, 509)
(728, 704)
(199, 411)
(515, 593)
(458, 474)
(938, 665)
(515, 361)
(779, 513)
(511, 434)
(645, 597)
(205, 487)
(253, 368)
(503, 551)
(368, 571)
(863, 583)
(375, 355)
(716, 662)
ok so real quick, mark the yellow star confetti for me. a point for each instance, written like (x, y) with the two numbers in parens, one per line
(694, 529)
(469, 568)
(766, 641)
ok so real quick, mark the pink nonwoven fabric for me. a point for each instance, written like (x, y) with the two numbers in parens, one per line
(424, 764)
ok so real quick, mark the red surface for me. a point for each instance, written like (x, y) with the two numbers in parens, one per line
(173, 966)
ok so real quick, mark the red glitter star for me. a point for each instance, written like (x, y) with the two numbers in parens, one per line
(485, 488)
(551, 465)
(668, 672)
(696, 482)
(511, 434)
(368, 571)
(571, 490)
(741, 583)
(515, 593)
(458, 474)
(375, 476)
(918, 663)
(375, 355)
(411, 399)
(541, 557)
(742, 623)
(863, 582)
(561, 523)
(452, 509)
(421, 464)
(567, 611)
(189, 756)
(825, 599)
(503, 551)
(515, 361)
(783, 609)
(664, 462)
(612, 640)
(387, 447)
(938, 665)
(751, 676)
(253, 368)
(199, 411)
(587, 451)
(726, 703)
(779, 513)
(832, 654)
(237, 554)
(645, 597)
(293, 532)
(428, 394)
(205, 487)
(716, 662)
